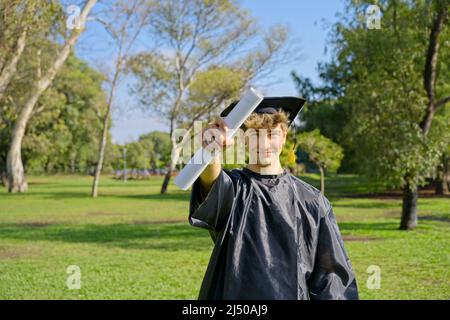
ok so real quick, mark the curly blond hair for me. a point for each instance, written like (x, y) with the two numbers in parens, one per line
(267, 120)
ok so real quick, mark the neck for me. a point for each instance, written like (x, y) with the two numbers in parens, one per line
(274, 168)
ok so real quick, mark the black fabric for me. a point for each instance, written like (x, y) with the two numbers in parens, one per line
(291, 105)
(275, 237)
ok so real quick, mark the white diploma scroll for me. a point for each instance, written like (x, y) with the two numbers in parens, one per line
(194, 168)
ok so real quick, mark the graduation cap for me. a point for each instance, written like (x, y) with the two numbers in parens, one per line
(290, 105)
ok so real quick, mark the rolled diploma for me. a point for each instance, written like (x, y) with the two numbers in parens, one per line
(194, 168)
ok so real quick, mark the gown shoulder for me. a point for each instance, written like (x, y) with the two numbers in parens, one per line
(313, 198)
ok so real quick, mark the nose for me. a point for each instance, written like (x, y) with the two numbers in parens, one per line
(263, 141)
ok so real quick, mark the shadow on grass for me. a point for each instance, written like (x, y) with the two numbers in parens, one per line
(435, 218)
(368, 226)
(368, 205)
(59, 195)
(159, 236)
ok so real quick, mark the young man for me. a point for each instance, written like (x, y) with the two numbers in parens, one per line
(275, 236)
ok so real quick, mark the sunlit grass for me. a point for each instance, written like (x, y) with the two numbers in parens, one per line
(133, 243)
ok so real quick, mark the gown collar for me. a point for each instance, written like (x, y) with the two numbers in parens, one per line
(264, 176)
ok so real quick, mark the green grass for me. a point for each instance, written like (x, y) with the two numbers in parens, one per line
(132, 243)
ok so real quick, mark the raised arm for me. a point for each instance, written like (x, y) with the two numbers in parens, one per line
(213, 192)
(213, 136)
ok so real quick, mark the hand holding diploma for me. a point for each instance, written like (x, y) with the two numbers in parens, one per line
(214, 139)
(231, 123)
(215, 135)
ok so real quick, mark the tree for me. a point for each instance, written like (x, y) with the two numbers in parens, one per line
(21, 23)
(124, 22)
(323, 152)
(16, 176)
(325, 111)
(205, 57)
(157, 145)
(18, 19)
(135, 155)
(59, 135)
(394, 84)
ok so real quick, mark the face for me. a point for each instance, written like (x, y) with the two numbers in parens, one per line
(265, 145)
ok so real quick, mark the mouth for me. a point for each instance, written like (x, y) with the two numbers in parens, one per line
(266, 153)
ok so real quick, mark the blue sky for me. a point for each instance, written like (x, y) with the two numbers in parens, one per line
(308, 22)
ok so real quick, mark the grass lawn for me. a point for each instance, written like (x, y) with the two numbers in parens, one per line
(132, 243)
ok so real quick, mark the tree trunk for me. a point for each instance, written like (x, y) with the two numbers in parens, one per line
(175, 155)
(101, 157)
(439, 187)
(409, 210)
(442, 180)
(16, 182)
(442, 188)
(173, 162)
(10, 69)
(72, 165)
(120, 36)
(98, 169)
(166, 180)
(322, 180)
(431, 68)
(14, 166)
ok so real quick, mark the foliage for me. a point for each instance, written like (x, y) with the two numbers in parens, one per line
(323, 152)
(59, 138)
(380, 75)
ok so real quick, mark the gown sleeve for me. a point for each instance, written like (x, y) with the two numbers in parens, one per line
(210, 211)
(332, 277)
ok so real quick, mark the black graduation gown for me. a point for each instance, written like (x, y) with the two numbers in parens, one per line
(275, 237)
